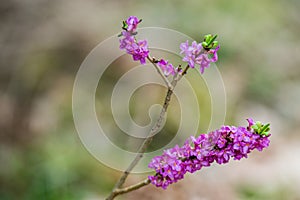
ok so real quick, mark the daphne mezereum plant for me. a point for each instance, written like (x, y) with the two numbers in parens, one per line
(217, 146)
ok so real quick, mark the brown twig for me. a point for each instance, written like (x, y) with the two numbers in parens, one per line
(153, 61)
(128, 189)
(151, 134)
(185, 70)
(146, 143)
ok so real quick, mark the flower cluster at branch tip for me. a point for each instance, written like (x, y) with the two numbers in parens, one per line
(200, 53)
(138, 49)
(217, 146)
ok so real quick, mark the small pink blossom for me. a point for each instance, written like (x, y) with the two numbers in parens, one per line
(166, 67)
(132, 23)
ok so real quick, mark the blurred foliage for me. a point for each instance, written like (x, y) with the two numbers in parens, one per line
(254, 193)
(44, 42)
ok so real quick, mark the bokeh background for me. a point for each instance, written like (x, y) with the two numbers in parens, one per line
(43, 44)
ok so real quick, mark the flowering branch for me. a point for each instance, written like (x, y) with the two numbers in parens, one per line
(217, 146)
(139, 51)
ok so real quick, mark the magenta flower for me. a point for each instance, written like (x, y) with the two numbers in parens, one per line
(138, 49)
(166, 67)
(214, 52)
(195, 54)
(203, 61)
(191, 52)
(250, 121)
(132, 23)
(217, 146)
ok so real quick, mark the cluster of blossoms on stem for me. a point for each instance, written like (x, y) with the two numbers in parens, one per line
(217, 146)
(199, 54)
(138, 49)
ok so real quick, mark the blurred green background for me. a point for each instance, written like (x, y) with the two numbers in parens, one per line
(43, 44)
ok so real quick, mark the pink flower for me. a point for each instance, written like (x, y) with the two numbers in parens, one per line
(215, 55)
(132, 23)
(203, 61)
(195, 54)
(127, 41)
(166, 67)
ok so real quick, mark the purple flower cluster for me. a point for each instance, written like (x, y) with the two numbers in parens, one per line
(196, 54)
(166, 67)
(219, 146)
(138, 49)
